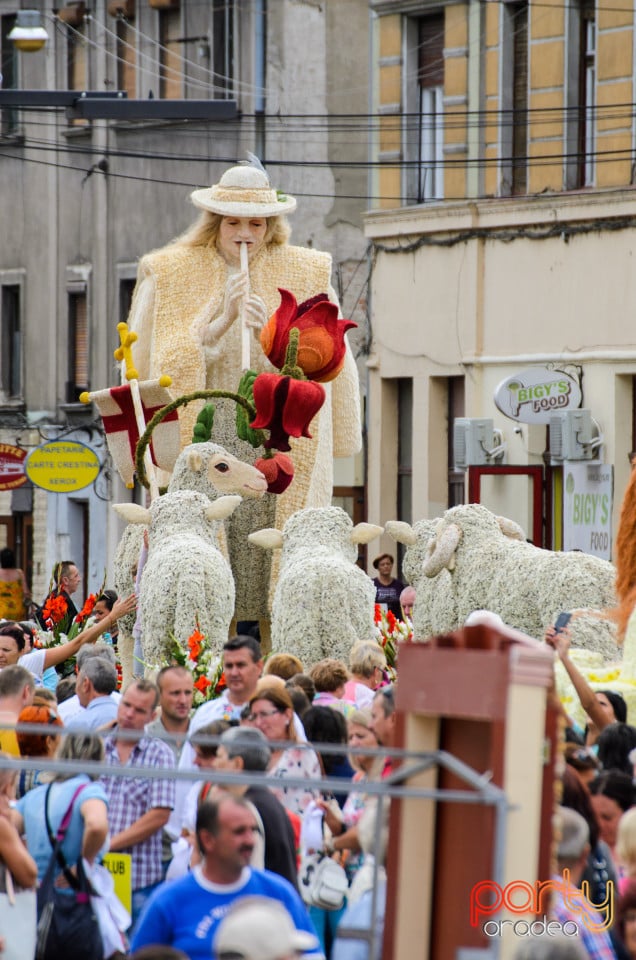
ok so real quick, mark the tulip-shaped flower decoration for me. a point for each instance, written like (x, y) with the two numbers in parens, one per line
(278, 471)
(285, 406)
(321, 346)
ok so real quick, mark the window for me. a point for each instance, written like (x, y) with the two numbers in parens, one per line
(405, 449)
(223, 48)
(430, 79)
(126, 289)
(170, 62)
(10, 343)
(126, 58)
(587, 95)
(514, 99)
(9, 71)
(456, 478)
(76, 63)
(405, 456)
(78, 355)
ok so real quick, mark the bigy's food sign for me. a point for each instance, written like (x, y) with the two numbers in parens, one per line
(533, 394)
(587, 508)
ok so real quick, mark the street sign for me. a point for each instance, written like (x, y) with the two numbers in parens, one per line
(531, 395)
(587, 508)
(62, 466)
(12, 473)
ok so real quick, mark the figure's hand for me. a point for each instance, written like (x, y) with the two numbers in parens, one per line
(559, 640)
(255, 313)
(236, 290)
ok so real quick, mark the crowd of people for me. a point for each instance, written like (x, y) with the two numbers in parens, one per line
(198, 844)
(209, 843)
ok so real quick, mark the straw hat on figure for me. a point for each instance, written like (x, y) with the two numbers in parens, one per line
(200, 306)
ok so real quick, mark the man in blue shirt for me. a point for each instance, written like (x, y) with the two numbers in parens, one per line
(96, 680)
(185, 913)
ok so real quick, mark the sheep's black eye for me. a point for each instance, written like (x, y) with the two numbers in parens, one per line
(221, 467)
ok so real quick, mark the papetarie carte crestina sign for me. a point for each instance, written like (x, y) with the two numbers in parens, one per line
(531, 395)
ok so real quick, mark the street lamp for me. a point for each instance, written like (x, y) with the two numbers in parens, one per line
(28, 33)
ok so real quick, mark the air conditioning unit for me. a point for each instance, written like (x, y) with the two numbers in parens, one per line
(573, 435)
(476, 442)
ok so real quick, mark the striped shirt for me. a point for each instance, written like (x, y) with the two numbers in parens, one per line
(129, 799)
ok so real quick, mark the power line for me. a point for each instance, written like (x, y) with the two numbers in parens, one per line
(609, 156)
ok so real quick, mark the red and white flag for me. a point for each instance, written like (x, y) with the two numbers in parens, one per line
(120, 425)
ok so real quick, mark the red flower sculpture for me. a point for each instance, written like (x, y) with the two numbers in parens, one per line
(321, 350)
(278, 471)
(285, 407)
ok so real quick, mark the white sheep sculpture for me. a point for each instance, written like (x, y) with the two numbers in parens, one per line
(186, 577)
(323, 602)
(206, 468)
(471, 559)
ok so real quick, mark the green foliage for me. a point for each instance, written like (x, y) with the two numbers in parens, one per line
(243, 431)
(203, 427)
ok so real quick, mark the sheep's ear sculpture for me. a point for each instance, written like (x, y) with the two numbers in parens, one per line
(222, 508)
(132, 512)
(194, 461)
(269, 539)
(511, 529)
(401, 532)
(366, 532)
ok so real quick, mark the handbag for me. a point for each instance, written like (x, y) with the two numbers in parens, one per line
(325, 884)
(67, 926)
(17, 919)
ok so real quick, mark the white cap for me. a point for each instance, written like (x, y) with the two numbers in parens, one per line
(257, 928)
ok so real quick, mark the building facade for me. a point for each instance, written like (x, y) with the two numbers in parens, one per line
(503, 239)
(86, 198)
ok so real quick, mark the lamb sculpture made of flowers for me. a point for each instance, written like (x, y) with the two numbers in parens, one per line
(323, 602)
(471, 559)
(186, 580)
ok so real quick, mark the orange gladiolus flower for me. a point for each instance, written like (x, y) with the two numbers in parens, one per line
(195, 644)
(202, 684)
(87, 609)
(55, 609)
(321, 348)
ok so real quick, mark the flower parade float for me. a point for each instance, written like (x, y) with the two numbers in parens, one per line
(273, 411)
(200, 309)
